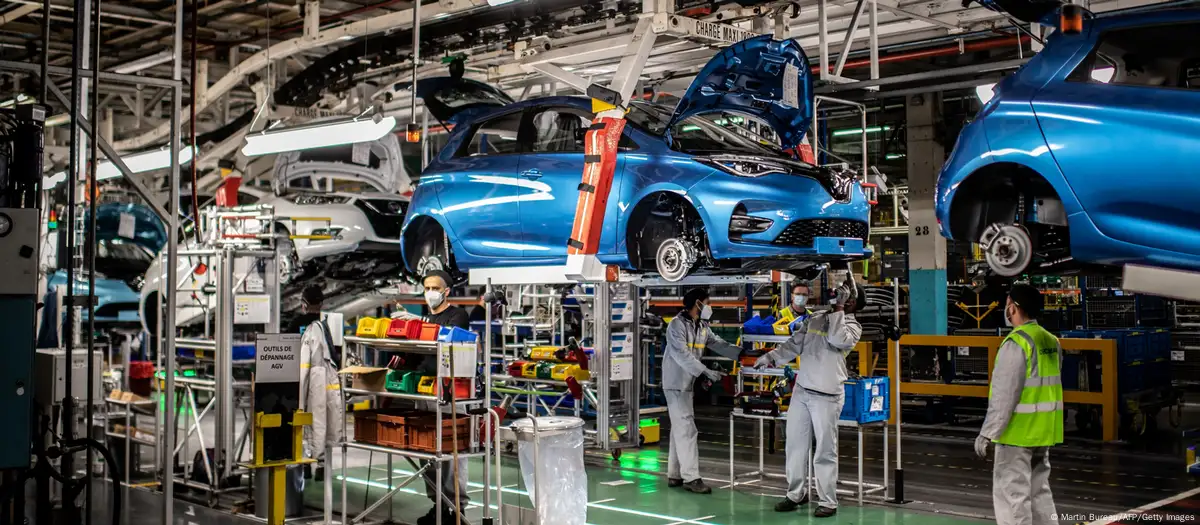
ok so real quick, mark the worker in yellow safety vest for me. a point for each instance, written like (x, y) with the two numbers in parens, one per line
(1025, 414)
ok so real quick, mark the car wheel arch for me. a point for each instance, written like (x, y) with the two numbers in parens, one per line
(641, 210)
(418, 226)
(991, 194)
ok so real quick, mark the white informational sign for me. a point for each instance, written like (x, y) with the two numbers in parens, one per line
(127, 228)
(791, 85)
(464, 359)
(255, 283)
(361, 153)
(251, 309)
(277, 358)
(1177, 355)
(622, 367)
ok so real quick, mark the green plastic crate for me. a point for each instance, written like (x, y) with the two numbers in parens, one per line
(403, 381)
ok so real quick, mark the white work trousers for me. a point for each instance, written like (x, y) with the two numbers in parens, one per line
(813, 415)
(683, 457)
(1021, 486)
(447, 481)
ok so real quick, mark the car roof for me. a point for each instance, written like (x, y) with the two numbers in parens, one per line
(582, 103)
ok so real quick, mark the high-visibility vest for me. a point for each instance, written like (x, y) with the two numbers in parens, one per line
(1037, 421)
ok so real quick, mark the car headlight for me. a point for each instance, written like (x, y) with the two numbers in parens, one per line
(742, 167)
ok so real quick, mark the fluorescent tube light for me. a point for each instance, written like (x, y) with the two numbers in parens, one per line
(137, 163)
(985, 92)
(859, 131)
(145, 62)
(317, 136)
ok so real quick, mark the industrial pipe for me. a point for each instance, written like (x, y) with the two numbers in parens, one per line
(982, 45)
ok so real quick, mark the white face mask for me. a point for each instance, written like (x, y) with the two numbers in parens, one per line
(434, 298)
(706, 312)
(799, 300)
(1007, 318)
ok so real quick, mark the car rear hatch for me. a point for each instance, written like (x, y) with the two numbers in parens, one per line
(376, 163)
(760, 77)
(451, 100)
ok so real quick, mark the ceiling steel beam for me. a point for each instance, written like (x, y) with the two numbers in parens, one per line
(332, 36)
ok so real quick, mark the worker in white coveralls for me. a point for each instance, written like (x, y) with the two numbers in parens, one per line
(320, 385)
(1025, 414)
(821, 342)
(688, 335)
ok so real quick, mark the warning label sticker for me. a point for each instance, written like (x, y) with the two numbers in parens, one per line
(791, 85)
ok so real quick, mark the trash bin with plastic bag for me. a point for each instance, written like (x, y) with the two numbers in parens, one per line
(551, 454)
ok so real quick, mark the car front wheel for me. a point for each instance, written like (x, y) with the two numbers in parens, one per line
(1008, 248)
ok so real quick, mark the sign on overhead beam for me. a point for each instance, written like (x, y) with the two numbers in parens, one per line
(682, 26)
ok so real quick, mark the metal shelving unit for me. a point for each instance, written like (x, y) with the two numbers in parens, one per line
(448, 366)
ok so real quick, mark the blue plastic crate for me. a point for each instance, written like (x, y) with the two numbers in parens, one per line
(454, 334)
(867, 400)
(243, 352)
(1158, 344)
(1132, 377)
(1132, 344)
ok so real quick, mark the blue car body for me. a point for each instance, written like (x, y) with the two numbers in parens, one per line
(1074, 130)
(123, 256)
(517, 208)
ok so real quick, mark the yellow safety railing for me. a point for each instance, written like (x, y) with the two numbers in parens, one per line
(1106, 398)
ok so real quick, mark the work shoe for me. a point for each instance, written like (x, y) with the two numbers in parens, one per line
(697, 486)
(787, 505)
(430, 518)
(674, 482)
(824, 512)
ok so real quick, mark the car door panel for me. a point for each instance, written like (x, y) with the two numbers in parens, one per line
(1127, 151)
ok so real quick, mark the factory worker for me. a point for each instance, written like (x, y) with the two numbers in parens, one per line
(688, 335)
(799, 304)
(1025, 414)
(320, 385)
(437, 284)
(821, 343)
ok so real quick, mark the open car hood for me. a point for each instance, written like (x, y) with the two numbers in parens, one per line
(1029, 11)
(760, 77)
(378, 163)
(450, 99)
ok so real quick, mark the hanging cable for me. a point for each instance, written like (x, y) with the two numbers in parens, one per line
(192, 124)
(93, 193)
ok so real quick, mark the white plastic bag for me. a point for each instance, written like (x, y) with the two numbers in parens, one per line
(560, 490)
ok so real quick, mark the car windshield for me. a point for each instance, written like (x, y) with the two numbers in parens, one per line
(700, 134)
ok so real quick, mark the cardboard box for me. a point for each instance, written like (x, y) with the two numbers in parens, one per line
(369, 378)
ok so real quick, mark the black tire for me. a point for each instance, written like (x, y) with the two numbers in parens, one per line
(431, 251)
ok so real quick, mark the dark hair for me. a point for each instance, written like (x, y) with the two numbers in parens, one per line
(313, 295)
(693, 296)
(1028, 299)
(801, 282)
(445, 276)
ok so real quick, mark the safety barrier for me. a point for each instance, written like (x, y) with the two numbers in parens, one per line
(1106, 398)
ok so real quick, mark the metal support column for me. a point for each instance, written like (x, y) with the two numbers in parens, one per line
(223, 442)
(602, 343)
(168, 349)
(927, 248)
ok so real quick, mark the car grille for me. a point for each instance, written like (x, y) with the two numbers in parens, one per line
(802, 233)
(384, 216)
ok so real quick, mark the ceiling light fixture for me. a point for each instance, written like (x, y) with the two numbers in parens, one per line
(318, 135)
(137, 163)
(145, 62)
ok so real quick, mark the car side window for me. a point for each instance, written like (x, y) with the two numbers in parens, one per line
(495, 136)
(560, 130)
(1165, 56)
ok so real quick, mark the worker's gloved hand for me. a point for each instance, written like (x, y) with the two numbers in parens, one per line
(845, 294)
(713, 375)
(763, 361)
(981, 446)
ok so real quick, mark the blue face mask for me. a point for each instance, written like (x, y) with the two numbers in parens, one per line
(799, 301)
